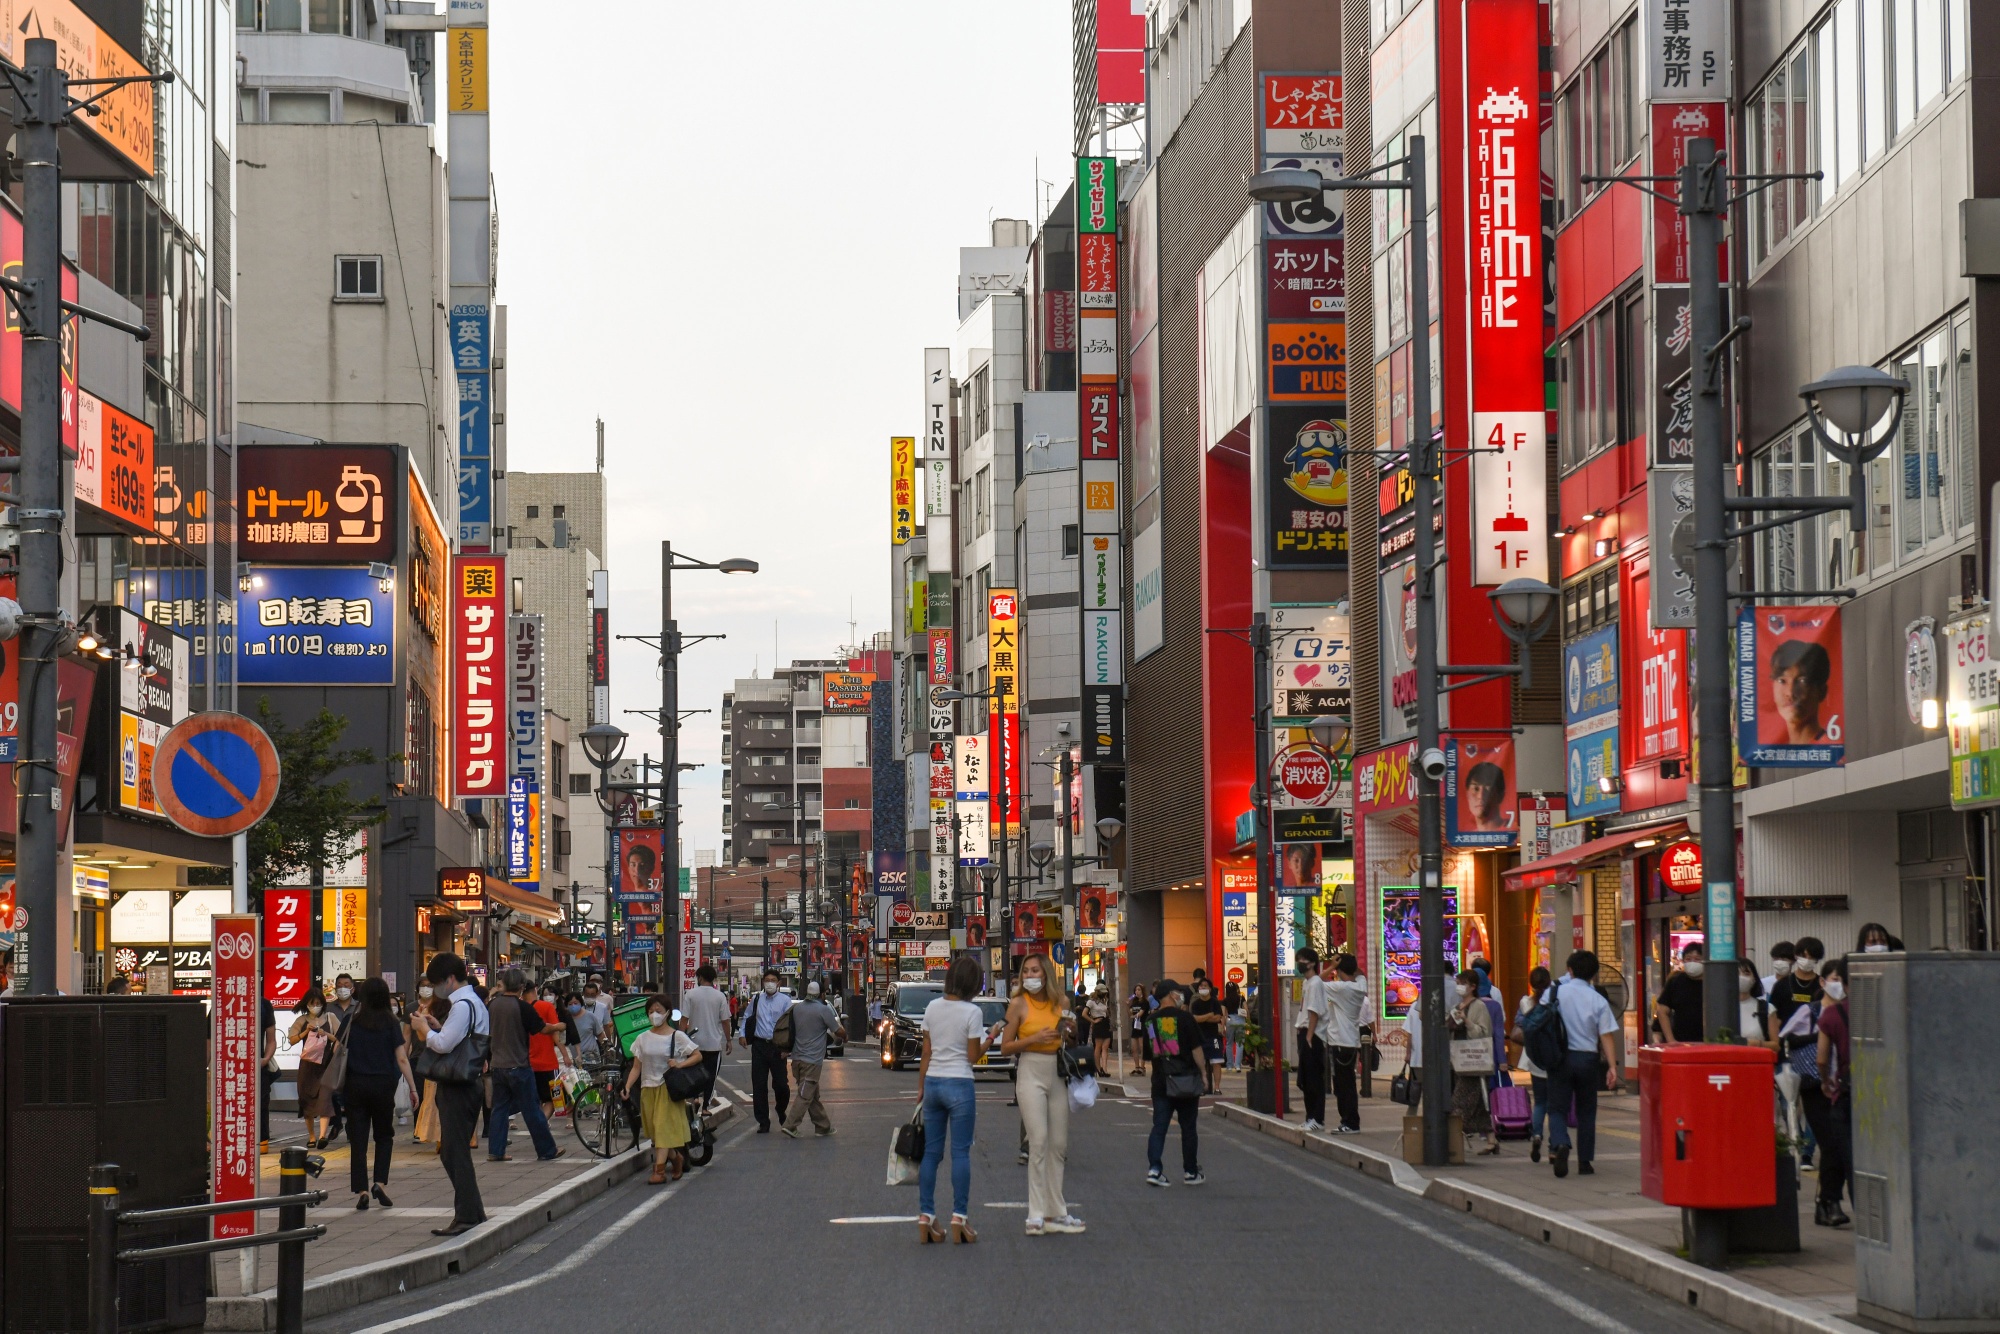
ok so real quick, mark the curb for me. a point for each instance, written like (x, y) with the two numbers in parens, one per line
(1728, 1300)
(384, 1278)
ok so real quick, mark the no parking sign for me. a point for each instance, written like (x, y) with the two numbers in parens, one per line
(216, 774)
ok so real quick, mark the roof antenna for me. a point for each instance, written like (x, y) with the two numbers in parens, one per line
(600, 446)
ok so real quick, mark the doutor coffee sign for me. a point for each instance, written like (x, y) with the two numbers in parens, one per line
(1680, 866)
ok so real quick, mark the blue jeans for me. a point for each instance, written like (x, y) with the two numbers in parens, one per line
(1576, 1080)
(514, 1091)
(1540, 1104)
(949, 1108)
(1164, 1111)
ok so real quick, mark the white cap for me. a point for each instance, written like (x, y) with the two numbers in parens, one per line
(812, 988)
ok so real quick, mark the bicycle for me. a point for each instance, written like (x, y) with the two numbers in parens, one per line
(605, 1120)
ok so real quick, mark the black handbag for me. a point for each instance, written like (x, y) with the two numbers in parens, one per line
(1399, 1089)
(463, 1064)
(685, 1083)
(910, 1137)
(1184, 1085)
(1072, 1063)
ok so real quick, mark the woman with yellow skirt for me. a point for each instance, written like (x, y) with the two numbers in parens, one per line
(662, 1117)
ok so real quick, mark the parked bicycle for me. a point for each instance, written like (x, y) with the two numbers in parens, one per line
(607, 1122)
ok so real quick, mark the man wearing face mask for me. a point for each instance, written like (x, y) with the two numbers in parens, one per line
(768, 1084)
(1678, 1010)
(341, 1007)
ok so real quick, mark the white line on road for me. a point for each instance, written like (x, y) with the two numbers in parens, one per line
(1590, 1315)
(575, 1260)
(741, 1096)
(877, 1218)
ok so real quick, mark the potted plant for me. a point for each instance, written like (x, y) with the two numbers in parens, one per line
(1259, 1060)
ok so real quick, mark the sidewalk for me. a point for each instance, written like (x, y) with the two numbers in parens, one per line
(370, 1253)
(1605, 1212)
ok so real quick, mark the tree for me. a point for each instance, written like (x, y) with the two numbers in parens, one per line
(314, 816)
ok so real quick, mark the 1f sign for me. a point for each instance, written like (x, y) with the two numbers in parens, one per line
(1510, 481)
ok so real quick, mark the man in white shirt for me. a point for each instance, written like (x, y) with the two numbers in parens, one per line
(1592, 1060)
(458, 1104)
(1346, 994)
(1312, 1045)
(708, 1019)
(768, 1083)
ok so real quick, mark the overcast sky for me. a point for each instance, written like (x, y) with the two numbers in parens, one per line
(730, 231)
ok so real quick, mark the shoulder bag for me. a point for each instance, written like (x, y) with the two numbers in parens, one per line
(782, 1032)
(684, 1083)
(463, 1064)
(1471, 1056)
(336, 1061)
(909, 1143)
(1075, 1062)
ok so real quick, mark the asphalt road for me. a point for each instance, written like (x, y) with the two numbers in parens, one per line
(778, 1233)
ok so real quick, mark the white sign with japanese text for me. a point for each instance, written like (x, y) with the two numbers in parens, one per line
(1687, 50)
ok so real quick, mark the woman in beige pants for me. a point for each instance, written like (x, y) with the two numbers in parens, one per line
(1036, 1030)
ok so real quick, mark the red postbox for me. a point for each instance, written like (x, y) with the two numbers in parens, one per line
(1707, 1126)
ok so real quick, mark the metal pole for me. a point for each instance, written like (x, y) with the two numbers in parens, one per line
(1267, 904)
(292, 1254)
(1701, 204)
(670, 739)
(41, 509)
(1066, 775)
(767, 921)
(1425, 467)
(102, 1249)
(1006, 911)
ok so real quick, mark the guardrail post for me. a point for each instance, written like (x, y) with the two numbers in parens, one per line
(101, 1249)
(291, 1254)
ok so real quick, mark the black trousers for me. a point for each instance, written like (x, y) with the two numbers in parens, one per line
(1346, 1093)
(1312, 1076)
(767, 1067)
(1833, 1126)
(711, 1061)
(265, 1078)
(371, 1110)
(459, 1106)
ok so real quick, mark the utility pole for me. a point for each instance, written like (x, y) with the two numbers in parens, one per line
(42, 89)
(1267, 905)
(767, 921)
(1066, 774)
(670, 739)
(1006, 911)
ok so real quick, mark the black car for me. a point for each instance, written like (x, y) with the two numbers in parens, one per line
(901, 1030)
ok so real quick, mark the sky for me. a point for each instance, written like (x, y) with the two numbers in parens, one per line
(735, 253)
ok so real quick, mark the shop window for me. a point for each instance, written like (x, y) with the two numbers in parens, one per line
(1590, 601)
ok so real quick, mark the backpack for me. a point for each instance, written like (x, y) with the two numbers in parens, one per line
(1543, 1036)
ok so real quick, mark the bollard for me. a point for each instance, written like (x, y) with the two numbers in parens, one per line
(101, 1249)
(291, 1254)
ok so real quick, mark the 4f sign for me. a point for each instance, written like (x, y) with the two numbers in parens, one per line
(1510, 476)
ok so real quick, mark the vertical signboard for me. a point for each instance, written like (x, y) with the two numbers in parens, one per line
(287, 944)
(936, 447)
(600, 646)
(1790, 687)
(971, 787)
(1100, 506)
(524, 723)
(479, 676)
(904, 517)
(237, 1040)
(1003, 667)
(1972, 709)
(1590, 720)
(1504, 337)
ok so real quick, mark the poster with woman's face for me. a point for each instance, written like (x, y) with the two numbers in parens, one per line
(1790, 702)
(1479, 792)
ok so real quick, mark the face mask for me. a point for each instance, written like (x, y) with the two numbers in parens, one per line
(1464, 992)
(1874, 949)
(343, 992)
(1804, 968)
(1693, 967)
(1743, 985)
(575, 1008)
(659, 1018)
(770, 988)
(1835, 989)
(1033, 984)
(425, 992)
(314, 1008)
(1204, 993)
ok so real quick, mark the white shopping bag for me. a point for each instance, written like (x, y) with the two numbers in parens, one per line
(1082, 1092)
(902, 1171)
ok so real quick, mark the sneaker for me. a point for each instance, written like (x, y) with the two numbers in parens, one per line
(1347, 1130)
(1313, 1125)
(1535, 1149)
(1560, 1157)
(1067, 1223)
(1585, 1170)
(824, 1134)
(1035, 1227)
(1156, 1177)
(1194, 1178)
(790, 1131)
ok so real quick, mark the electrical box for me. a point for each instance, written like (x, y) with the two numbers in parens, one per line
(1926, 1068)
(1708, 1134)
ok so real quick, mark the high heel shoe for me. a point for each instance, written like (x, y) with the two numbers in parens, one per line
(961, 1231)
(927, 1230)
(381, 1196)
(361, 1201)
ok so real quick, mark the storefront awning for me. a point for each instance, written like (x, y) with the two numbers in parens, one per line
(543, 939)
(1562, 868)
(502, 895)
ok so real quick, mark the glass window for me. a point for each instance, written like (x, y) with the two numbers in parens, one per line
(1845, 96)
(1633, 392)
(335, 16)
(246, 105)
(1872, 80)
(282, 16)
(246, 13)
(1904, 63)
(300, 108)
(1930, 53)
(1964, 437)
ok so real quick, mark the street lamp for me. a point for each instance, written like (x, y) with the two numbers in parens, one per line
(604, 746)
(1000, 767)
(670, 734)
(1525, 609)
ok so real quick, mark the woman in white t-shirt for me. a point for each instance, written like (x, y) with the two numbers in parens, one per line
(663, 1117)
(955, 1040)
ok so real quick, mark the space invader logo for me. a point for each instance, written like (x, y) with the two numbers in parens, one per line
(1506, 108)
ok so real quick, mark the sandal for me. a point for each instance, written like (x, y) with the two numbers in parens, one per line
(927, 1230)
(961, 1231)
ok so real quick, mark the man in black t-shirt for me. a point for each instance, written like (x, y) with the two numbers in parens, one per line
(1177, 1050)
(1678, 1010)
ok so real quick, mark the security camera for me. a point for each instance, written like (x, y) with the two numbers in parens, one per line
(1433, 763)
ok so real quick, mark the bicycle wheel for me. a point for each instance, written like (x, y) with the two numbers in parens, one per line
(595, 1118)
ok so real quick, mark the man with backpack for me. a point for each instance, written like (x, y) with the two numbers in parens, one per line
(1571, 1034)
(767, 1027)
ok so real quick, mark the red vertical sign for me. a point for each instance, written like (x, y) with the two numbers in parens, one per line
(288, 942)
(479, 676)
(237, 1041)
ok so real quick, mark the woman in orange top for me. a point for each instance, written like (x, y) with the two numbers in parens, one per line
(1036, 1030)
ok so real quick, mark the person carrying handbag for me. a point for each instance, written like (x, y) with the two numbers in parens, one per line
(1179, 1074)
(313, 1033)
(656, 1054)
(454, 1060)
(1472, 1061)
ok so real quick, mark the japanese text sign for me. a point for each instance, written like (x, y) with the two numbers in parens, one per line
(1590, 715)
(1301, 113)
(1686, 49)
(237, 1050)
(1306, 470)
(524, 704)
(903, 521)
(1972, 709)
(316, 625)
(114, 461)
(317, 503)
(1096, 196)
(472, 337)
(479, 676)
(1504, 337)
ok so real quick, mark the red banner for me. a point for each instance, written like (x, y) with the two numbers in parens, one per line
(1099, 399)
(478, 704)
(288, 939)
(1674, 125)
(237, 1039)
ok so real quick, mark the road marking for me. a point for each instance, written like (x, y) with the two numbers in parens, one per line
(866, 1218)
(741, 1096)
(1590, 1315)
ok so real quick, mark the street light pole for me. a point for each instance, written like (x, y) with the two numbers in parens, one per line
(1267, 906)
(767, 921)
(670, 744)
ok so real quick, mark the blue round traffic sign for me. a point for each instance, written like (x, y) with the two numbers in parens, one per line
(216, 774)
